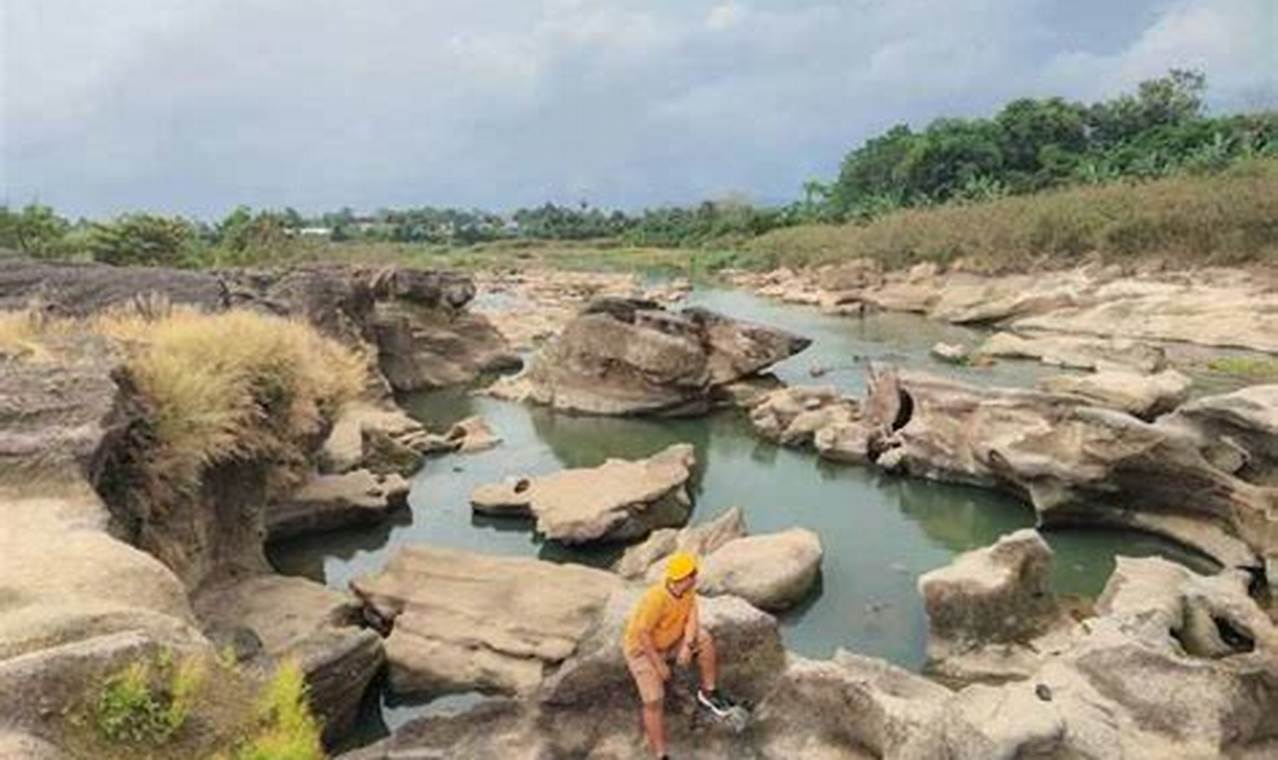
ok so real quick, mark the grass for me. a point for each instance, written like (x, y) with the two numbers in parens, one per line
(1228, 218)
(216, 387)
(1251, 367)
(196, 708)
(286, 729)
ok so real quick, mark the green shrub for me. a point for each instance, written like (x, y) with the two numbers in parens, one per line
(148, 703)
(286, 728)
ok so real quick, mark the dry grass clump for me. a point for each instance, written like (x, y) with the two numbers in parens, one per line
(1225, 218)
(236, 384)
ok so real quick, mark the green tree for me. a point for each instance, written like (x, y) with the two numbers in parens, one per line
(143, 239)
(1037, 139)
(35, 230)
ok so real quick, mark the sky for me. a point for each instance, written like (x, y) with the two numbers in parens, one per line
(196, 106)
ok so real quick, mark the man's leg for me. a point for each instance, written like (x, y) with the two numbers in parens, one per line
(654, 727)
(651, 694)
(707, 661)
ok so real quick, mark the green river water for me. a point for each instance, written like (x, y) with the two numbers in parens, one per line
(879, 532)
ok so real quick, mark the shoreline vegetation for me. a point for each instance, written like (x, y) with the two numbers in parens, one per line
(1142, 178)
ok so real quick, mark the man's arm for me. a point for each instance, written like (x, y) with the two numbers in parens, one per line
(690, 630)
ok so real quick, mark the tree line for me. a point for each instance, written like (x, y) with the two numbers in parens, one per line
(1030, 145)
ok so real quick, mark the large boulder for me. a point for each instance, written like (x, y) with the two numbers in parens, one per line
(773, 571)
(460, 621)
(1144, 396)
(620, 499)
(629, 357)
(332, 502)
(300, 620)
(990, 610)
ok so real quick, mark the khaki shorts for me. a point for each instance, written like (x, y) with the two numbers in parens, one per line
(651, 687)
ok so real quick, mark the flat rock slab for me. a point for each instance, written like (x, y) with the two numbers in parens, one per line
(1144, 396)
(462, 621)
(1076, 351)
(331, 502)
(617, 500)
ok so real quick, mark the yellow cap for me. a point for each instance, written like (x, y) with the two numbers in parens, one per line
(680, 566)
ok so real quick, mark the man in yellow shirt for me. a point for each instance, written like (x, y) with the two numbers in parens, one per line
(665, 623)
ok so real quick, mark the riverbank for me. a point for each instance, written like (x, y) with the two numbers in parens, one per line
(872, 510)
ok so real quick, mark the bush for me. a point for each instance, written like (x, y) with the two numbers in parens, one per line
(148, 703)
(1225, 218)
(286, 728)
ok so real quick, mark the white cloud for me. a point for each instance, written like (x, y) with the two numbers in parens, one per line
(199, 105)
(1234, 41)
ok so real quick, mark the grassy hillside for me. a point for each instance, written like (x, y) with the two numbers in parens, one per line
(1229, 217)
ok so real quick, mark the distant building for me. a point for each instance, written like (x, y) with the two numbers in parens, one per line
(315, 232)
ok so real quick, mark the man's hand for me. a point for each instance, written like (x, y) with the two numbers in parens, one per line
(663, 670)
(685, 655)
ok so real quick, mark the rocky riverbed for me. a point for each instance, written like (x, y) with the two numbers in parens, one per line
(1166, 661)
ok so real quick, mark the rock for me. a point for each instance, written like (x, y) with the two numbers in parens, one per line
(844, 442)
(995, 602)
(1144, 396)
(1196, 310)
(1239, 429)
(1079, 352)
(617, 500)
(348, 445)
(626, 357)
(314, 625)
(332, 502)
(424, 337)
(954, 353)
(1077, 464)
(80, 289)
(461, 621)
(792, 416)
(646, 559)
(852, 702)
(473, 435)
(773, 571)
(59, 417)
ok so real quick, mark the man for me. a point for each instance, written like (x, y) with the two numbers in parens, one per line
(662, 624)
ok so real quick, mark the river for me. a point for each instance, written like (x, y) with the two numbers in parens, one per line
(879, 532)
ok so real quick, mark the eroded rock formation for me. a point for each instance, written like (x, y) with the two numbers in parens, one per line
(631, 357)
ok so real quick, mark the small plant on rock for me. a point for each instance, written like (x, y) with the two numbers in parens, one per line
(148, 703)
